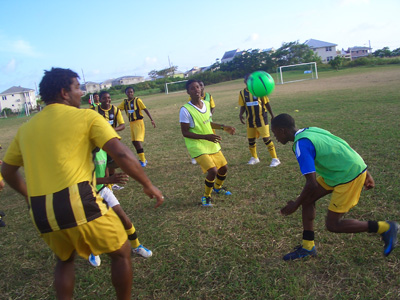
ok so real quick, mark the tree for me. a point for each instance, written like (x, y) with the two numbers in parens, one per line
(163, 73)
(294, 53)
(384, 52)
(337, 62)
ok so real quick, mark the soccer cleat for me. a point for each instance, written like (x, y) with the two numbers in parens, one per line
(142, 251)
(116, 187)
(275, 162)
(206, 201)
(194, 162)
(390, 238)
(253, 161)
(95, 261)
(300, 252)
(222, 191)
(143, 164)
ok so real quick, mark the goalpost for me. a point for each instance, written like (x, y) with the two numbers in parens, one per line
(297, 72)
(176, 88)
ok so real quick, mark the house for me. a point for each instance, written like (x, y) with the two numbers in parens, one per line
(127, 80)
(17, 97)
(357, 52)
(327, 51)
(106, 84)
(229, 55)
(192, 71)
(92, 87)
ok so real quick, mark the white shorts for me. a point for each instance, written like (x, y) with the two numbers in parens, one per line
(108, 196)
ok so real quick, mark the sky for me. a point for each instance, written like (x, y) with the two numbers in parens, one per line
(103, 40)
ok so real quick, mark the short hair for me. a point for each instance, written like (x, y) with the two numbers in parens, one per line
(53, 81)
(283, 121)
(129, 87)
(94, 94)
(190, 81)
(102, 93)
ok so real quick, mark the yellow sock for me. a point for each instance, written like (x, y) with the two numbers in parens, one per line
(271, 149)
(142, 157)
(208, 187)
(308, 245)
(132, 237)
(253, 150)
(383, 227)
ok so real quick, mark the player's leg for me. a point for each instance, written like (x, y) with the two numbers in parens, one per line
(222, 166)
(265, 134)
(308, 213)
(121, 271)
(64, 278)
(137, 248)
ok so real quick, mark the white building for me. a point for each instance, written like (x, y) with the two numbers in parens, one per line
(325, 50)
(127, 80)
(16, 97)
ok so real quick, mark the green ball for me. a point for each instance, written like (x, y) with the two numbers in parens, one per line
(260, 84)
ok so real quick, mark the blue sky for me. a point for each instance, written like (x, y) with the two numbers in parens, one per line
(109, 39)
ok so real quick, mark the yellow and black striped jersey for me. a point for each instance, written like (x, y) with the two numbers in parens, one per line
(113, 115)
(255, 108)
(133, 108)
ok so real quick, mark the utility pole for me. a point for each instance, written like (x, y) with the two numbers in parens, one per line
(84, 81)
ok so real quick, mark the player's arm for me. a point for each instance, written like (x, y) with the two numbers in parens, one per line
(269, 109)
(241, 112)
(228, 129)
(124, 158)
(149, 115)
(14, 179)
(309, 188)
(191, 135)
(212, 104)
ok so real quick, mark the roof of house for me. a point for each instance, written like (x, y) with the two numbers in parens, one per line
(356, 48)
(16, 89)
(318, 44)
(230, 54)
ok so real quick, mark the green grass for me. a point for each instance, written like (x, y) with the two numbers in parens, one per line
(235, 249)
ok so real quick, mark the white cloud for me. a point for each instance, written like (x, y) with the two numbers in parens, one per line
(253, 37)
(151, 60)
(353, 2)
(11, 66)
(17, 46)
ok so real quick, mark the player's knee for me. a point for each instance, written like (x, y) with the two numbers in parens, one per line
(332, 226)
(223, 170)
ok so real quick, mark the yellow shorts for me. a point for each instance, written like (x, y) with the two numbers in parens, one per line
(344, 196)
(102, 235)
(208, 161)
(137, 130)
(257, 132)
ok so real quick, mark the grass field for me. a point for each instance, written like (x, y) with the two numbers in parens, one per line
(234, 250)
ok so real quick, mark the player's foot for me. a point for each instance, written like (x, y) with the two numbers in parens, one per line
(95, 261)
(275, 162)
(253, 161)
(206, 201)
(300, 252)
(143, 164)
(142, 251)
(116, 187)
(390, 238)
(222, 191)
(194, 162)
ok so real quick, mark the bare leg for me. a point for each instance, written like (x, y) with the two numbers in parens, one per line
(335, 223)
(308, 209)
(121, 271)
(211, 174)
(64, 278)
(123, 217)
(137, 145)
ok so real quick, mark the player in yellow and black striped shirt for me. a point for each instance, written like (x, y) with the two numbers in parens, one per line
(133, 107)
(56, 150)
(257, 123)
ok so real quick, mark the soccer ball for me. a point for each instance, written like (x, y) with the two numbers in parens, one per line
(260, 84)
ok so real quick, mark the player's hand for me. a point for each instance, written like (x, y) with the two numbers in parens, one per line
(231, 130)
(153, 123)
(290, 208)
(241, 119)
(120, 178)
(369, 182)
(154, 192)
(213, 138)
